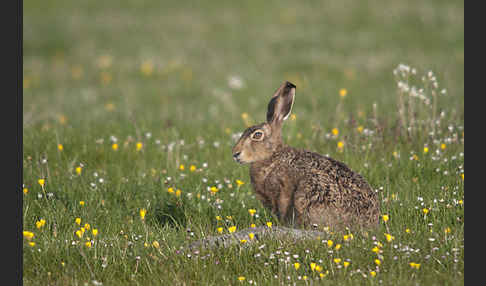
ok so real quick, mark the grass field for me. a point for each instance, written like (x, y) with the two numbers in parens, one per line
(130, 110)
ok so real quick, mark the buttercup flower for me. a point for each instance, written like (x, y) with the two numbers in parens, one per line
(143, 212)
(385, 218)
(239, 182)
(40, 223)
(28, 234)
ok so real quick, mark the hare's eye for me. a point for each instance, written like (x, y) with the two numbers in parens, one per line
(258, 135)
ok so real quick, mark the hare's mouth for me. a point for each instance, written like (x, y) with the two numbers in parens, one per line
(237, 158)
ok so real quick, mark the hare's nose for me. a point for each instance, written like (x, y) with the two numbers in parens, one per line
(236, 155)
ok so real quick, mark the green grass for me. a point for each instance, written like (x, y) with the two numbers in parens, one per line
(84, 85)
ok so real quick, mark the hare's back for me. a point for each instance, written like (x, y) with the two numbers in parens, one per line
(333, 194)
(329, 175)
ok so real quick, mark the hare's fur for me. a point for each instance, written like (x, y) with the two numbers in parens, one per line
(300, 187)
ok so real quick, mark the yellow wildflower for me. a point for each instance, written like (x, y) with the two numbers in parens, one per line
(252, 225)
(192, 168)
(269, 224)
(220, 229)
(385, 217)
(426, 150)
(360, 129)
(443, 146)
(425, 210)
(41, 182)
(181, 167)
(40, 223)
(241, 278)
(94, 231)
(251, 235)
(447, 230)
(60, 147)
(87, 226)
(373, 273)
(78, 221)
(31, 244)
(318, 268)
(337, 260)
(343, 92)
(340, 145)
(293, 117)
(377, 262)
(338, 246)
(155, 244)
(304, 277)
(114, 146)
(78, 170)
(28, 234)
(252, 212)
(218, 217)
(139, 146)
(243, 240)
(79, 233)
(232, 229)
(88, 244)
(81, 203)
(346, 264)
(407, 230)
(178, 193)
(170, 190)
(26, 191)
(329, 243)
(239, 182)
(214, 190)
(296, 265)
(143, 212)
(335, 131)
(414, 265)
(389, 237)
(313, 266)
(147, 67)
(375, 249)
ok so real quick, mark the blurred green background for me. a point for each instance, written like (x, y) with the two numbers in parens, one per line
(168, 63)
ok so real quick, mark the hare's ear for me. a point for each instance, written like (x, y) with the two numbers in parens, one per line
(280, 106)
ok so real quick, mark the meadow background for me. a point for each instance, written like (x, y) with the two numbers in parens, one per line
(130, 110)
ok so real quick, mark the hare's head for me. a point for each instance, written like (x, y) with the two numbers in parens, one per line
(258, 142)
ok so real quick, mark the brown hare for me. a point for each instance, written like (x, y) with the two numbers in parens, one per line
(300, 187)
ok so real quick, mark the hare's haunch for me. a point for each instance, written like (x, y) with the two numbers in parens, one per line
(302, 187)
